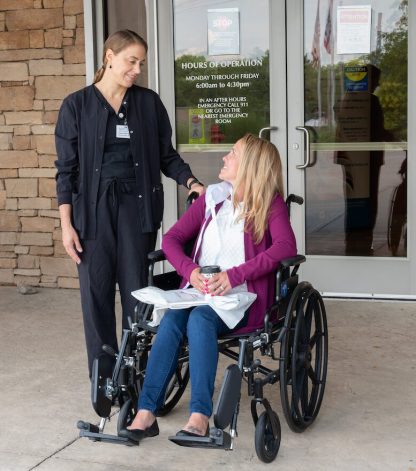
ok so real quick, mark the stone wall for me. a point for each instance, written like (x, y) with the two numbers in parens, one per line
(42, 59)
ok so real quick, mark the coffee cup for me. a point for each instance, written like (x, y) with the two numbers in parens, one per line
(208, 271)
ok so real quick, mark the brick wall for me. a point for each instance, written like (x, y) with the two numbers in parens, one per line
(41, 60)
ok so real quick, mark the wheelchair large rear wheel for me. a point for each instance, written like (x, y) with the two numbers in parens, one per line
(304, 357)
(397, 224)
(176, 387)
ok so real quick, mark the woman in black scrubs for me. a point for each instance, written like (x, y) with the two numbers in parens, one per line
(113, 139)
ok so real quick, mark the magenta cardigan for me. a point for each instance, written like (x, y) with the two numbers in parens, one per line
(261, 260)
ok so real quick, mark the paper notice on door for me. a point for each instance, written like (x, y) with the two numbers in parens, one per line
(354, 29)
(223, 31)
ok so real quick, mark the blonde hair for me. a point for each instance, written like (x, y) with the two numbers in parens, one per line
(259, 179)
(117, 42)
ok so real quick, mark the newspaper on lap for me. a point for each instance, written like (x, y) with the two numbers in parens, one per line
(230, 307)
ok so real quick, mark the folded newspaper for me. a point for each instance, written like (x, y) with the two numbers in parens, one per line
(230, 307)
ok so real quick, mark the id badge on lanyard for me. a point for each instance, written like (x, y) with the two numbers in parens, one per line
(122, 131)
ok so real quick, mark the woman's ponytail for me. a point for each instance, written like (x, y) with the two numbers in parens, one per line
(99, 74)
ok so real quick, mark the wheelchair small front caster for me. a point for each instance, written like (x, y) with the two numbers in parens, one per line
(266, 441)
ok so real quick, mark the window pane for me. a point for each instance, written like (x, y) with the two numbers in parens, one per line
(356, 108)
(221, 79)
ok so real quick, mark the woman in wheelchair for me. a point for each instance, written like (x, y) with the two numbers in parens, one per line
(242, 225)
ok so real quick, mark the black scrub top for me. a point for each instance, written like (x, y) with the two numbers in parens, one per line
(117, 157)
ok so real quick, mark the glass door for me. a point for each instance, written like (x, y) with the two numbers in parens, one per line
(223, 77)
(348, 145)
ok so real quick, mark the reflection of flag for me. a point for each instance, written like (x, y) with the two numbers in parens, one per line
(316, 49)
(328, 29)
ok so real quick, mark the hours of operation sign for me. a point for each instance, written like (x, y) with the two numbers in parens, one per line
(227, 98)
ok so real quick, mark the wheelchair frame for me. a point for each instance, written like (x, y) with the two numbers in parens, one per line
(301, 372)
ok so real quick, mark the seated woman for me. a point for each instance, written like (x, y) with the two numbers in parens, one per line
(241, 225)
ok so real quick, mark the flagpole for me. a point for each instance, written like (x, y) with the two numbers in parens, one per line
(332, 86)
(332, 69)
(329, 46)
(319, 93)
(319, 66)
(316, 59)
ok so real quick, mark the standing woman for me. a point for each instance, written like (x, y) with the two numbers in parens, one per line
(113, 138)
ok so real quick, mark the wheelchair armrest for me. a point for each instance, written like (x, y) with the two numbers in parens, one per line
(286, 280)
(292, 261)
(156, 256)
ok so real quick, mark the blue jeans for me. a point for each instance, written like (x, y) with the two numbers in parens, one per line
(202, 326)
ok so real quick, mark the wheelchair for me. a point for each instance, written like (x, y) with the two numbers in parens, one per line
(294, 334)
(397, 222)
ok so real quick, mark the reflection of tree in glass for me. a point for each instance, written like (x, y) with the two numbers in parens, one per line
(390, 58)
(257, 95)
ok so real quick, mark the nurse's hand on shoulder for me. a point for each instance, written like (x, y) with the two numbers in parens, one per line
(70, 241)
(200, 189)
(195, 186)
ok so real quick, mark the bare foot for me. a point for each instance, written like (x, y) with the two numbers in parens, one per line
(143, 420)
(197, 423)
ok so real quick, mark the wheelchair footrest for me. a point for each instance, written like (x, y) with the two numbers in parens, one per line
(103, 437)
(91, 431)
(217, 439)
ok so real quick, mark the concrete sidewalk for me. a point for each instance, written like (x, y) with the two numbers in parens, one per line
(367, 420)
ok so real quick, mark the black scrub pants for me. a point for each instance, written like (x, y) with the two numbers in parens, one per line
(118, 254)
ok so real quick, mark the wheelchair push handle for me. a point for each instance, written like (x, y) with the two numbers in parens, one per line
(109, 350)
(156, 256)
(191, 198)
(292, 198)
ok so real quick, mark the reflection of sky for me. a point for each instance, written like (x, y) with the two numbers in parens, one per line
(390, 15)
(190, 18)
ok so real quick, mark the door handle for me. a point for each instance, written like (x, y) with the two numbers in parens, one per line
(307, 146)
(268, 128)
